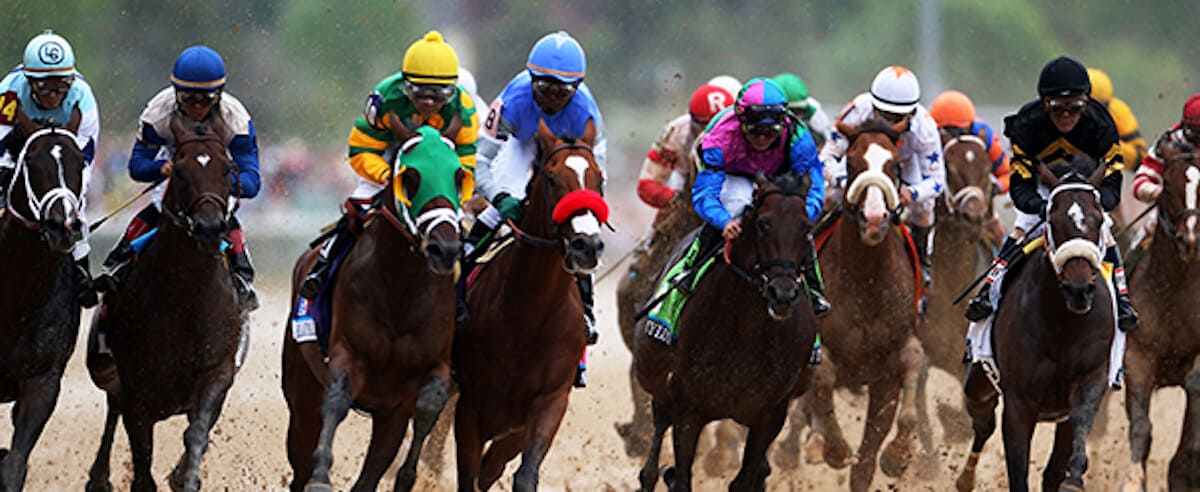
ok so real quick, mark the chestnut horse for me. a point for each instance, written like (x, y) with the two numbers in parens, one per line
(870, 336)
(515, 360)
(39, 314)
(389, 348)
(744, 363)
(174, 328)
(1052, 337)
(1165, 349)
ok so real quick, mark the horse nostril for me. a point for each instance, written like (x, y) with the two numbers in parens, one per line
(579, 245)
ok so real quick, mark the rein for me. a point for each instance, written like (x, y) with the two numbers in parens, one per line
(1167, 221)
(38, 206)
(538, 241)
(1077, 247)
(758, 278)
(183, 219)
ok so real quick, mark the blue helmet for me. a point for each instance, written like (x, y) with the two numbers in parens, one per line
(48, 55)
(198, 68)
(558, 55)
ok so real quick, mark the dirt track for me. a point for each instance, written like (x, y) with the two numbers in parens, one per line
(247, 451)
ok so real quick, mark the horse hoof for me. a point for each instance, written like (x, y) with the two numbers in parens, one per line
(98, 486)
(1069, 487)
(669, 476)
(837, 454)
(956, 425)
(1135, 480)
(814, 450)
(318, 487)
(965, 482)
(3, 453)
(895, 459)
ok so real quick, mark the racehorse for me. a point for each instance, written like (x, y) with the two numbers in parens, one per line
(174, 328)
(746, 363)
(392, 323)
(39, 314)
(515, 359)
(962, 246)
(871, 334)
(1165, 350)
(1052, 337)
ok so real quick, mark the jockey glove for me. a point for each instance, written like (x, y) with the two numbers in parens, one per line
(508, 207)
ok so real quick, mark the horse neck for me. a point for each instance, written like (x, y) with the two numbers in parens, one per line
(176, 247)
(1165, 264)
(25, 252)
(393, 247)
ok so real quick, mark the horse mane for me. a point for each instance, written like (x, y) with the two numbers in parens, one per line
(1076, 170)
(791, 182)
(877, 125)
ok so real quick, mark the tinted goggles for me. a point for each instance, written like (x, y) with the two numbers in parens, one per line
(436, 92)
(554, 87)
(1070, 107)
(52, 85)
(203, 98)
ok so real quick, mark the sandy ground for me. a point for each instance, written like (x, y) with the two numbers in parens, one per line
(247, 451)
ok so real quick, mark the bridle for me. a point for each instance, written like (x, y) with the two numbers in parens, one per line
(1167, 221)
(961, 196)
(868, 178)
(183, 218)
(39, 206)
(559, 243)
(417, 231)
(758, 277)
(1078, 247)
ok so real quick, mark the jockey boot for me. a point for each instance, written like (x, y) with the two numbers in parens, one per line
(580, 377)
(981, 306)
(816, 287)
(921, 236)
(86, 293)
(311, 286)
(587, 295)
(1127, 317)
(243, 277)
(116, 267)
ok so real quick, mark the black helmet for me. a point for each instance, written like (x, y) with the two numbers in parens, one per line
(1064, 76)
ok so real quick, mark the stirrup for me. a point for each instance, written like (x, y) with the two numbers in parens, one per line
(311, 286)
(247, 297)
(820, 304)
(580, 377)
(1127, 316)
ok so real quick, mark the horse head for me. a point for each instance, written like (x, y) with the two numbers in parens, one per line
(202, 179)
(968, 176)
(564, 199)
(429, 184)
(778, 244)
(873, 168)
(1074, 219)
(46, 190)
(1179, 203)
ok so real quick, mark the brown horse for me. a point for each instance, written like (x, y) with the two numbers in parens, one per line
(871, 334)
(514, 361)
(1052, 337)
(746, 363)
(389, 348)
(1165, 350)
(39, 315)
(963, 248)
(174, 327)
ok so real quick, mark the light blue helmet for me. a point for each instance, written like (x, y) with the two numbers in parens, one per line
(48, 55)
(558, 55)
(198, 68)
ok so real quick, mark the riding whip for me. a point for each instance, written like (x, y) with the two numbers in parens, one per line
(1135, 220)
(1006, 259)
(96, 225)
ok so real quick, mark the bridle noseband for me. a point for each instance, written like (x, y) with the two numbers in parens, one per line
(758, 277)
(951, 199)
(183, 219)
(39, 206)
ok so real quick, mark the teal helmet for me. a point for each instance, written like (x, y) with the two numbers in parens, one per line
(48, 55)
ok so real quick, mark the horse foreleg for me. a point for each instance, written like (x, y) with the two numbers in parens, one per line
(468, 442)
(1087, 401)
(787, 452)
(139, 427)
(980, 400)
(35, 402)
(662, 420)
(755, 467)
(98, 476)
(896, 457)
(1056, 468)
(881, 411)
(819, 402)
(430, 401)
(1139, 388)
(544, 419)
(1184, 471)
(927, 459)
(387, 433)
(333, 411)
(636, 431)
(684, 434)
(186, 475)
(1018, 420)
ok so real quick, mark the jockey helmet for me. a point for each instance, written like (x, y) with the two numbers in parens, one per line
(557, 55)
(1063, 76)
(198, 68)
(48, 55)
(895, 90)
(430, 60)
(952, 108)
(467, 80)
(728, 82)
(1191, 111)
(1102, 88)
(707, 101)
(761, 101)
(797, 92)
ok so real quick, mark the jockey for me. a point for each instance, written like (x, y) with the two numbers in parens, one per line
(894, 97)
(423, 92)
(666, 167)
(955, 114)
(759, 136)
(47, 89)
(728, 82)
(1133, 146)
(1184, 136)
(550, 89)
(805, 107)
(1061, 123)
(196, 94)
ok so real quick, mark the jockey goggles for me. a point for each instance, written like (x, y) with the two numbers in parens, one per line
(203, 98)
(762, 119)
(554, 87)
(437, 92)
(1070, 106)
(51, 85)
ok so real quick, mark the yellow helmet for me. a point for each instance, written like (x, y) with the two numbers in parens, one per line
(1102, 89)
(430, 61)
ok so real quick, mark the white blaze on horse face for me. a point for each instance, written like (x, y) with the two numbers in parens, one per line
(1193, 177)
(970, 156)
(1076, 214)
(56, 152)
(580, 166)
(203, 159)
(586, 224)
(875, 205)
(877, 157)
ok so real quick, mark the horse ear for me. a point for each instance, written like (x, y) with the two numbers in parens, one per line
(847, 130)
(401, 132)
(760, 179)
(1097, 177)
(217, 124)
(589, 133)
(1048, 177)
(544, 134)
(451, 129)
(74, 122)
(901, 126)
(178, 129)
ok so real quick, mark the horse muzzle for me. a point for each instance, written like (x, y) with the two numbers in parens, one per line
(972, 202)
(582, 254)
(59, 232)
(442, 255)
(781, 294)
(208, 233)
(1078, 284)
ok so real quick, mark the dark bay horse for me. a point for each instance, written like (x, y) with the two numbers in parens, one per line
(1052, 336)
(871, 334)
(174, 327)
(746, 335)
(392, 324)
(39, 315)
(962, 248)
(514, 361)
(1165, 349)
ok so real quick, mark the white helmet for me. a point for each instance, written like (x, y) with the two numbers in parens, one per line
(731, 85)
(895, 90)
(467, 80)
